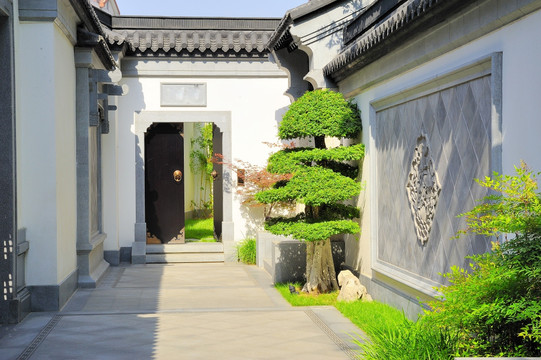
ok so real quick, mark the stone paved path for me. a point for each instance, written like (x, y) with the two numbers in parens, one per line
(181, 311)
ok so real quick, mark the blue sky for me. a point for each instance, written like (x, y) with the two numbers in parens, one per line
(221, 8)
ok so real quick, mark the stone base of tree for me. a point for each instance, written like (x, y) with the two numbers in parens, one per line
(285, 258)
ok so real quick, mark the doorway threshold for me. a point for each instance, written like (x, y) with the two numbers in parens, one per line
(185, 253)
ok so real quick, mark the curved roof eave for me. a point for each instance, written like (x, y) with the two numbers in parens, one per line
(191, 36)
(294, 14)
(381, 38)
(89, 18)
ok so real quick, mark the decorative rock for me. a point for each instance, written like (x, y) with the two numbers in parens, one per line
(351, 288)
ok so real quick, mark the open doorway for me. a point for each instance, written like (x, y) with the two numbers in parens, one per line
(200, 176)
(222, 189)
(180, 178)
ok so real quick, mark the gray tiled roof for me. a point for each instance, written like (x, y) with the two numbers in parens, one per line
(89, 18)
(193, 23)
(308, 8)
(212, 37)
(281, 34)
(372, 43)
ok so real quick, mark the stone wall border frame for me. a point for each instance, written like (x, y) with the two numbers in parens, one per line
(142, 121)
(14, 295)
(222, 68)
(6, 8)
(49, 11)
(167, 87)
(488, 65)
(38, 10)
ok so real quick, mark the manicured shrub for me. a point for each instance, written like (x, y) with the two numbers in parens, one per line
(246, 251)
(320, 113)
(321, 179)
(495, 307)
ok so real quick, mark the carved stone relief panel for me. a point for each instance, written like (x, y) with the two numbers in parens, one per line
(423, 189)
(430, 149)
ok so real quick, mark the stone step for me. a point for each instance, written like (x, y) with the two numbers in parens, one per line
(185, 253)
(185, 248)
(185, 258)
(267, 266)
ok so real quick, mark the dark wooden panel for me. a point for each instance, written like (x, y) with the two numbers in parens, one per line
(164, 197)
(218, 188)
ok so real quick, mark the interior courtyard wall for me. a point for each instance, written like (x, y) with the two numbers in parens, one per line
(110, 182)
(65, 148)
(256, 103)
(36, 157)
(520, 79)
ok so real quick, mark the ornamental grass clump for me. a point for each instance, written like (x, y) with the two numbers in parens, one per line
(321, 179)
(406, 341)
(246, 251)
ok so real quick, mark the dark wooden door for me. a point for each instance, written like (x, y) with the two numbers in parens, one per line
(218, 186)
(164, 188)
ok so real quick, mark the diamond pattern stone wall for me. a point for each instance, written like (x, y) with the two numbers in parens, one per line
(457, 124)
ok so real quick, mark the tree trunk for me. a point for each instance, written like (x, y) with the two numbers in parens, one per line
(310, 246)
(320, 274)
(319, 142)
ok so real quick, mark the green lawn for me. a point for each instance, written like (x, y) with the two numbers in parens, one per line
(390, 334)
(200, 229)
(368, 316)
(302, 299)
(371, 316)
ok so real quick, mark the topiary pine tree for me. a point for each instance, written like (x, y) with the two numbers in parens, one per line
(322, 179)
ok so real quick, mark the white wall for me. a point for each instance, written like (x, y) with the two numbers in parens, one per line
(122, 127)
(110, 183)
(520, 114)
(45, 90)
(255, 105)
(65, 147)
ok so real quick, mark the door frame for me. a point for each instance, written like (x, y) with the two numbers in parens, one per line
(14, 295)
(142, 121)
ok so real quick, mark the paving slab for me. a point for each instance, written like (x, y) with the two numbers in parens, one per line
(182, 311)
